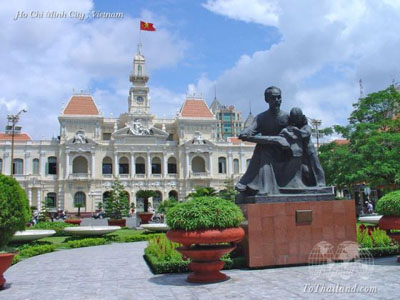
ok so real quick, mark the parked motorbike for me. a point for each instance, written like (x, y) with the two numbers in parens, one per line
(99, 215)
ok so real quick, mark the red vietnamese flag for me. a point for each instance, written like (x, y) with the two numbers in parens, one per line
(147, 26)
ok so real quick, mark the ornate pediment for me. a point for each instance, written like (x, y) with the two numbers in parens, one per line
(80, 139)
(136, 128)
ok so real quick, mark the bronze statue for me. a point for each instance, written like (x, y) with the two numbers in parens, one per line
(284, 156)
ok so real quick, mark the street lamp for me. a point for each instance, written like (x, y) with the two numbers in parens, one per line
(316, 123)
(13, 130)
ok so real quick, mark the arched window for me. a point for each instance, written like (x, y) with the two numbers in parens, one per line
(80, 165)
(106, 195)
(18, 166)
(140, 166)
(156, 165)
(107, 165)
(51, 199)
(80, 197)
(157, 200)
(236, 166)
(52, 165)
(222, 165)
(198, 165)
(123, 165)
(172, 165)
(173, 194)
(35, 166)
(1, 166)
(248, 162)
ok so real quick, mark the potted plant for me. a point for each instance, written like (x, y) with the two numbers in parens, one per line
(389, 207)
(117, 205)
(14, 214)
(76, 221)
(132, 207)
(205, 222)
(145, 216)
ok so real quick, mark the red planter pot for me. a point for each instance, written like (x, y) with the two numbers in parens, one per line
(205, 255)
(388, 223)
(117, 222)
(145, 217)
(5, 262)
(73, 221)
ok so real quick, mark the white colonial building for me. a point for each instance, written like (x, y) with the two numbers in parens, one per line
(171, 157)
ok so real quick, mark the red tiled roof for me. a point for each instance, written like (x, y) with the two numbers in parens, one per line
(81, 105)
(341, 142)
(22, 137)
(196, 109)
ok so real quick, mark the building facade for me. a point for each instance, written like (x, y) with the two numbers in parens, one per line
(171, 157)
(229, 120)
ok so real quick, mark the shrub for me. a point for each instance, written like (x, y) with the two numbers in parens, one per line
(364, 239)
(87, 242)
(117, 203)
(166, 205)
(36, 250)
(14, 208)
(57, 226)
(145, 195)
(380, 238)
(380, 251)
(389, 205)
(141, 237)
(204, 213)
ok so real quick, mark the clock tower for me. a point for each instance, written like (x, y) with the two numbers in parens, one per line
(139, 100)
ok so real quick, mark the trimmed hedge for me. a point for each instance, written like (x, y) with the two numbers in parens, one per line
(87, 242)
(27, 251)
(204, 213)
(389, 205)
(380, 251)
(58, 227)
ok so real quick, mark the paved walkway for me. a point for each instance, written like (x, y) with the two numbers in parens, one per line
(118, 271)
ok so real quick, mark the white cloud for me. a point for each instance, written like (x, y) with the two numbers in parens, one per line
(44, 59)
(326, 47)
(264, 12)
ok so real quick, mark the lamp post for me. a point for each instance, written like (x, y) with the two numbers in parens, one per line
(12, 121)
(316, 123)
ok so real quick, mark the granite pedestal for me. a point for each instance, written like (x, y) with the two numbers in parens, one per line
(283, 230)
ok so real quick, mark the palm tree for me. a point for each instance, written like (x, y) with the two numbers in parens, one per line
(78, 205)
(202, 191)
(145, 195)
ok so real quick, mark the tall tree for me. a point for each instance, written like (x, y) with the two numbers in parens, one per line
(372, 155)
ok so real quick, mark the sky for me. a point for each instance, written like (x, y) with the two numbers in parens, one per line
(316, 51)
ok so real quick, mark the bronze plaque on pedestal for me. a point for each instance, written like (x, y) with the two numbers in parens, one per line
(303, 216)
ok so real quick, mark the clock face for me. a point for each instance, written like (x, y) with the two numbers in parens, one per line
(139, 99)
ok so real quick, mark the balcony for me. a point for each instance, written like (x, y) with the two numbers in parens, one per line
(123, 176)
(141, 176)
(156, 176)
(198, 174)
(108, 176)
(79, 176)
(172, 175)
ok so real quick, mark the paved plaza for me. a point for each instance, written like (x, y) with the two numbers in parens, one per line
(118, 271)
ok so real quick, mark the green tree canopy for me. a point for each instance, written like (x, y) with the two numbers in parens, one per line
(372, 154)
(117, 202)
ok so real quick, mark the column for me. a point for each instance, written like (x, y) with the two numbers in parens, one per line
(242, 163)
(187, 165)
(27, 168)
(116, 166)
(93, 164)
(165, 165)
(66, 164)
(6, 164)
(42, 163)
(30, 196)
(39, 200)
(133, 166)
(148, 167)
(230, 164)
(210, 164)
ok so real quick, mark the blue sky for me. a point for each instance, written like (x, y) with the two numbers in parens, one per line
(316, 51)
